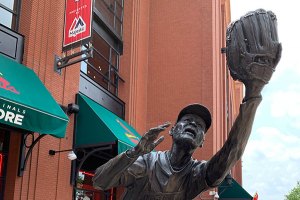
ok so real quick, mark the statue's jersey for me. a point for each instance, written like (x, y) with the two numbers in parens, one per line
(151, 177)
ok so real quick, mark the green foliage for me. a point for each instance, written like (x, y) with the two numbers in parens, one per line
(294, 193)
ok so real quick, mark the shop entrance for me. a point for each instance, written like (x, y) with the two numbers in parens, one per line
(88, 160)
(4, 144)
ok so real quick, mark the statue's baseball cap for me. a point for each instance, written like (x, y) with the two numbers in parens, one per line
(197, 109)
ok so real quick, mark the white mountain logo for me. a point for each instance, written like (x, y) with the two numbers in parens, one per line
(78, 26)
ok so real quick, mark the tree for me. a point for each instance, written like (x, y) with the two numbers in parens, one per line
(294, 193)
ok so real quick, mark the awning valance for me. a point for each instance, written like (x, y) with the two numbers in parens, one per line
(95, 125)
(25, 102)
(232, 191)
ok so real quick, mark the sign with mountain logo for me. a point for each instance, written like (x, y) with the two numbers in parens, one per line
(78, 20)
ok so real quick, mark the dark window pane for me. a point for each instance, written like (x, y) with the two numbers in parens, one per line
(97, 77)
(113, 89)
(113, 82)
(120, 2)
(110, 4)
(119, 10)
(111, 12)
(114, 58)
(99, 63)
(113, 77)
(118, 27)
(8, 3)
(105, 10)
(99, 69)
(103, 66)
(100, 45)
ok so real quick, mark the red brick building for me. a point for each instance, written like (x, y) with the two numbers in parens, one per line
(150, 59)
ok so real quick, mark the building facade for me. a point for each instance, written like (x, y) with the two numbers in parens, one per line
(144, 61)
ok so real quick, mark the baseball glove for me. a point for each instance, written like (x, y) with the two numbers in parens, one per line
(252, 47)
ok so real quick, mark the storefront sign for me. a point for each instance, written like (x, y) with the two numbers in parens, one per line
(9, 113)
(4, 84)
(12, 114)
(78, 20)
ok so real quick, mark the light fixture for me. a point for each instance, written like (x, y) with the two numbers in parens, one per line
(71, 108)
(214, 193)
(71, 154)
(216, 196)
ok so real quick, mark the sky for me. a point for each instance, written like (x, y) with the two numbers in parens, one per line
(271, 162)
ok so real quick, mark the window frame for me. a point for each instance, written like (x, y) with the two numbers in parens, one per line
(113, 11)
(15, 14)
(112, 81)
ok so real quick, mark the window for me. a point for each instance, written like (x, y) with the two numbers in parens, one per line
(111, 13)
(107, 45)
(103, 67)
(9, 12)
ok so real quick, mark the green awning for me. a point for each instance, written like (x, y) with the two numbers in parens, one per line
(233, 191)
(25, 102)
(95, 125)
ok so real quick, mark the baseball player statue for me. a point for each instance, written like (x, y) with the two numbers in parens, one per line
(252, 51)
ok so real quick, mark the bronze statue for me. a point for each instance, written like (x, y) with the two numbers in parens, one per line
(252, 51)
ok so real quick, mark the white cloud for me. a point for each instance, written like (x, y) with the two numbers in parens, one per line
(272, 143)
(272, 164)
(295, 124)
(286, 103)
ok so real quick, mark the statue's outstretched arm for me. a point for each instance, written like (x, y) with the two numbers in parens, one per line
(252, 52)
(221, 163)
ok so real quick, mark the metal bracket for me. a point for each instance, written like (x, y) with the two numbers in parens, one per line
(24, 157)
(65, 61)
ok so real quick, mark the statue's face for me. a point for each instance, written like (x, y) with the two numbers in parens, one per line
(190, 130)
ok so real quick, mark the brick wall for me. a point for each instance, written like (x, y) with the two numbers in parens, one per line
(171, 59)
(46, 177)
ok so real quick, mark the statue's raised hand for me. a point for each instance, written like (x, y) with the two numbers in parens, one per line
(148, 141)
